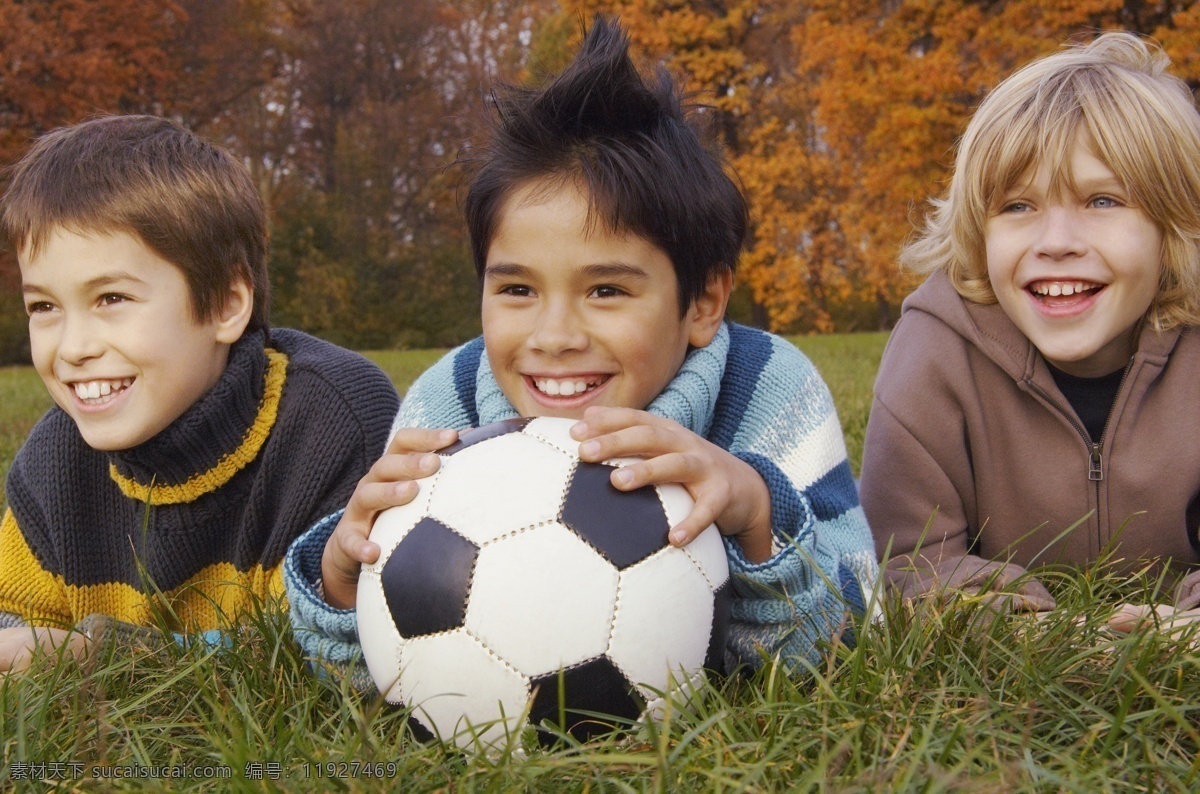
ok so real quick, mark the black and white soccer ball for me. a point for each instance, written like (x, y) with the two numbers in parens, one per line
(520, 587)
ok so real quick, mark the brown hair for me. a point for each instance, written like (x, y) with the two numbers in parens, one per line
(1113, 93)
(189, 201)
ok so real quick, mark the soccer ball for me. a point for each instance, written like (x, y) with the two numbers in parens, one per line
(520, 587)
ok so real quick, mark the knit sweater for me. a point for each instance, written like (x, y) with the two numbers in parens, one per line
(188, 529)
(748, 392)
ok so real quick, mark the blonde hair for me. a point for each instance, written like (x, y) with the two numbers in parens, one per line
(1115, 94)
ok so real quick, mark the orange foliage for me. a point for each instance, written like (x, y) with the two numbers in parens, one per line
(64, 60)
(841, 119)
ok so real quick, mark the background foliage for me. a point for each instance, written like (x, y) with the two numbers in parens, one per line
(838, 117)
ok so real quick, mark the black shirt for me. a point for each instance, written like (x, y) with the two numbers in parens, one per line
(1092, 398)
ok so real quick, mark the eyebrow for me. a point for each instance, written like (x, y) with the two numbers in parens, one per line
(99, 282)
(600, 270)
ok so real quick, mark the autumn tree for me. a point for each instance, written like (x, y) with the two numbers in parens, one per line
(841, 120)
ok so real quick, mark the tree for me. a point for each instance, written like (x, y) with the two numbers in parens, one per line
(66, 59)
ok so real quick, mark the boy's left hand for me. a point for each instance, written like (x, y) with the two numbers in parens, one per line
(1127, 618)
(727, 490)
(19, 644)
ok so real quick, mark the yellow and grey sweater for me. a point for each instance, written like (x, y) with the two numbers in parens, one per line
(188, 529)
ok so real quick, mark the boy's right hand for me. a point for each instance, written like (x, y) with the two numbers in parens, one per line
(390, 483)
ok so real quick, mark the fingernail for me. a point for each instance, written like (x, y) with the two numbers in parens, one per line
(678, 538)
(622, 477)
(428, 461)
(589, 448)
(579, 430)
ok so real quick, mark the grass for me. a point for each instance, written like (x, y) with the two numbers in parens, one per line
(931, 699)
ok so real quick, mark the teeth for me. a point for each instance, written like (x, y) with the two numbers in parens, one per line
(95, 389)
(1056, 288)
(564, 388)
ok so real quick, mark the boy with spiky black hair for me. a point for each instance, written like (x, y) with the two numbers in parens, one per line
(605, 235)
(188, 440)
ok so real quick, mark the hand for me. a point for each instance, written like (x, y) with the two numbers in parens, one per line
(1127, 618)
(727, 490)
(19, 644)
(389, 483)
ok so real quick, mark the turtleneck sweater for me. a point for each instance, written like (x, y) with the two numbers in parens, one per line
(188, 529)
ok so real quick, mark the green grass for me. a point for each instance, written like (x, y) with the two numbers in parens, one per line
(935, 699)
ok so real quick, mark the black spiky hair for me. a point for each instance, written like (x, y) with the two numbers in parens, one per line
(637, 149)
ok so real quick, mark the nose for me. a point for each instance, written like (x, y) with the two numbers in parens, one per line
(79, 341)
(558, 329)
(1060, 235)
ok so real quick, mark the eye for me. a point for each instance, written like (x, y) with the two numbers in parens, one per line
(111, 298)
(1105, 202)
(38, 307)
(608, 291)
(515, 290)
(1014, 206)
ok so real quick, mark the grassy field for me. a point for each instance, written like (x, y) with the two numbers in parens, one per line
(930, 699)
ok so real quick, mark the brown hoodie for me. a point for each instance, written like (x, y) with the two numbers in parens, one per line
(971, 447)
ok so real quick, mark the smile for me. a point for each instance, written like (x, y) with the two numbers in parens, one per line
(1054, 289)
(568, 387)
(98, 392)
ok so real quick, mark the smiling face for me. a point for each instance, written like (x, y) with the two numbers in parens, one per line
(1077, 268)
(576, 316)
(113, 336)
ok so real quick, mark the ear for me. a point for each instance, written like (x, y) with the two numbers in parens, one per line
(234, 315)
(707, 311)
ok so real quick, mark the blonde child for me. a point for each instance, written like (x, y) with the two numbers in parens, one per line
(1037, 401)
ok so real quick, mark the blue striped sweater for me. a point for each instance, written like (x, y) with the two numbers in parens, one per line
(749, 392)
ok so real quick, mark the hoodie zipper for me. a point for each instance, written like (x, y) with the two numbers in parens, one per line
(1095, 456)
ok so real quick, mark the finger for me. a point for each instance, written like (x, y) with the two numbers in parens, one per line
(371, 498)
(599, 420)
(1128, 617)
(644, 441)
(419, 439)
(407, 466)
(687, 530)
(351, 547)
(15, 662)
(676, 467)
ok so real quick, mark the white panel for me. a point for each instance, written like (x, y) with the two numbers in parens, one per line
(542, 600)
(676, 501)
(555, 431)
(663, 620)
(462, 692)
(381, 643)
(393, 524)
(499, 486)
(708, 550)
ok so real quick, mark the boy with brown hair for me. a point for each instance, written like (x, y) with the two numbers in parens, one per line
(188, 440)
